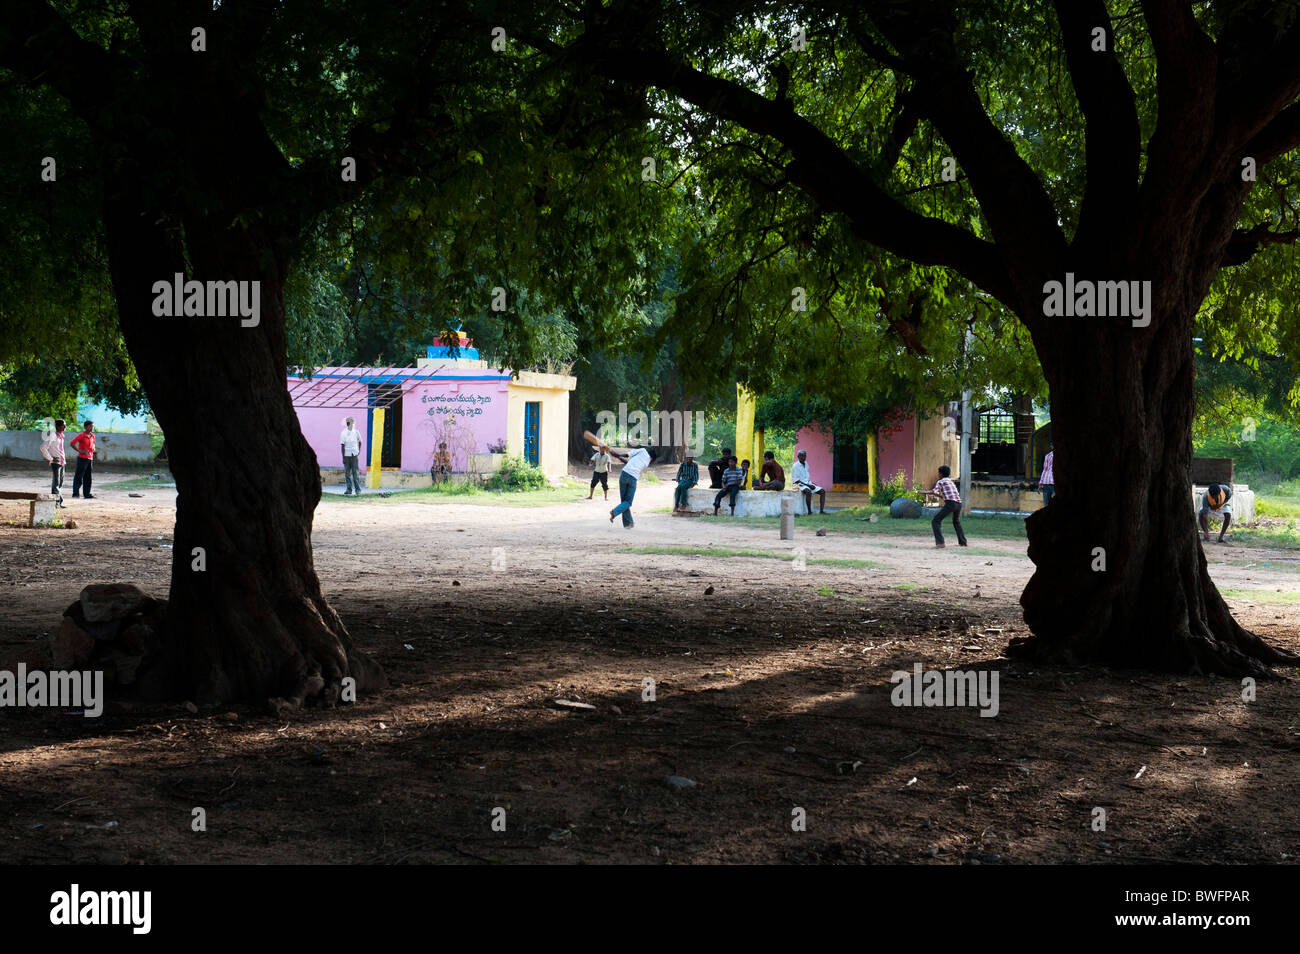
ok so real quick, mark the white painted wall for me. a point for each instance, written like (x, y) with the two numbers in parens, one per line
(26, 445)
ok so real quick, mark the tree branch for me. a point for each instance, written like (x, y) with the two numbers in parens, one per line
(820, 167)
(1277, 138)
(1109, 109)
(906, 120)
(1187, 65)
(1245, 243)
(38, 45)
(1020, 214)
(1263, 78)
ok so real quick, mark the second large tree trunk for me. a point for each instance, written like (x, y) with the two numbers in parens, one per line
(1121, 575)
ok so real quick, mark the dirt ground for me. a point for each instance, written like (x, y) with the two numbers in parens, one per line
(772, 694)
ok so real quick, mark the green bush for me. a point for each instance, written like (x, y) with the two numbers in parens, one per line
(897, 486)
(1269, 453)
(517, 474)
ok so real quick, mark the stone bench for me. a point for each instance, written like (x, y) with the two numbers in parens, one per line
(749, 503)
(42, 509)
(1242, 503)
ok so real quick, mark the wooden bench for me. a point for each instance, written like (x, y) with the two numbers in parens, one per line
(42, 509)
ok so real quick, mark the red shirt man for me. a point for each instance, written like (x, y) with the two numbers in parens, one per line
(84, 444)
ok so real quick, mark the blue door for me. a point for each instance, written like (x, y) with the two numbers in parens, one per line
(385, 396)
(533, 432)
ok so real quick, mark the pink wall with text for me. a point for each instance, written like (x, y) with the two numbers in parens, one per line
(479, 406)
(478, 403)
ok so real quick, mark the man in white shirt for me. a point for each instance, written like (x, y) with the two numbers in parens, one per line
(52, 450)
(802, 478)
(350, 442)
(632, 468)
(600, 471)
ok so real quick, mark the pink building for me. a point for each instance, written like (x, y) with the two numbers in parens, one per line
(417, 420)
(915, 446)
(820, 445)
(479, 412)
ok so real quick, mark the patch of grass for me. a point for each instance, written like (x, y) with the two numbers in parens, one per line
(1277, 507)
(1274, 566)
(470, 494)
(1261, 596)
(825, 591)
(1266, 532)
(856, 520)
(136, 483)
(743, 552)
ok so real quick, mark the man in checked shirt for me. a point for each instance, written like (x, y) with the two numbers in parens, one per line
(946, 490)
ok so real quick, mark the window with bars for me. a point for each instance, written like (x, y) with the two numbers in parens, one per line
(997, 427)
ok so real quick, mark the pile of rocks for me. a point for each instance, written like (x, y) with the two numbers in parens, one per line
(114, 627)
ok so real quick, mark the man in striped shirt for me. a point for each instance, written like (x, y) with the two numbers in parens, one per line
(732, 478)
(1047, 483)
(946, 491)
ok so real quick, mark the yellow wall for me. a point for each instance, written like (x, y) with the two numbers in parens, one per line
(1010, 497)
(931, 450)
(552, 390)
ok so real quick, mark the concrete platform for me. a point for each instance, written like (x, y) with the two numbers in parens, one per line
(749, 503)
(43, 506)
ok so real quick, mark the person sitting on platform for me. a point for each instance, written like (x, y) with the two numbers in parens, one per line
(803, 480)
(772, 474)
(688, 475)
(732, 478)
(716, 467)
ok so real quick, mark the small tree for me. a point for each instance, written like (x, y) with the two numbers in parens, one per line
(462, 444)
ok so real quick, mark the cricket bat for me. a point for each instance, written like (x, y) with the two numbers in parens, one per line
(591, 437)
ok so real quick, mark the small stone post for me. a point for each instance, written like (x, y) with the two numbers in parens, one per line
(787, 518)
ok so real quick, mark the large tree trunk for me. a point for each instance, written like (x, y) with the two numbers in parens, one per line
(579, 448)
(1121, 575)
(253, 624)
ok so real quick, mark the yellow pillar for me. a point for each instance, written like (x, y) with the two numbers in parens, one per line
(376, 447)
(744, 423)
(873, 459)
